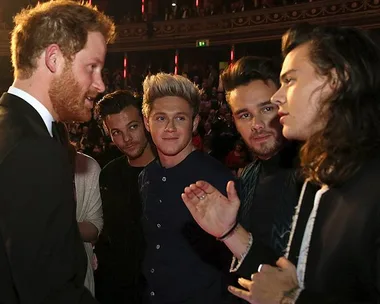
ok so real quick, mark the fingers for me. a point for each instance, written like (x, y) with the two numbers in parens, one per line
(243, 294)
(189, 193)
(231, 193)
(197, 190)
(190, 200)
(245, 283)
(205, 186)
(284, 264)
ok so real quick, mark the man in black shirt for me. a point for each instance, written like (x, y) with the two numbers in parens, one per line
(183, 264)
(120, 246)
(269, 189)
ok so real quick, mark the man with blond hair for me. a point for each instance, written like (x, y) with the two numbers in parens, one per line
(176, 246)
(58, 50)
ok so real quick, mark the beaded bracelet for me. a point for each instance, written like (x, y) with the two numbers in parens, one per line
(240, 260)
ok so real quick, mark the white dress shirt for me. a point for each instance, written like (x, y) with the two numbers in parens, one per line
(38, 106)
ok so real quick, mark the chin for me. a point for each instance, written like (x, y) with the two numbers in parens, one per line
(297, 136)
(169, 152)
(134, 154)
(84, 117)
(288, 133)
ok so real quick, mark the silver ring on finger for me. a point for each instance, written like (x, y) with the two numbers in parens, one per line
(202, 197)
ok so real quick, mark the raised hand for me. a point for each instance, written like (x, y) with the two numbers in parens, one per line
(214, 212)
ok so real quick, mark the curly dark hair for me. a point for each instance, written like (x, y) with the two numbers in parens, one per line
(351, 135)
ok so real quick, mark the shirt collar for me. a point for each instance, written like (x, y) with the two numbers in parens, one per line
(38, 106)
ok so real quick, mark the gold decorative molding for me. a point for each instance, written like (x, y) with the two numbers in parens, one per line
(248, 26)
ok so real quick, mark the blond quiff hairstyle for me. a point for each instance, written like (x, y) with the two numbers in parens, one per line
(163, 85)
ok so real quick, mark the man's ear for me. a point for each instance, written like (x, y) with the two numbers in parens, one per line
(195, 122)
(54, 59)
(335, 82)
(146, 123)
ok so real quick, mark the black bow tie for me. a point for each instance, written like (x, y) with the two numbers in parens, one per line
(59, 132)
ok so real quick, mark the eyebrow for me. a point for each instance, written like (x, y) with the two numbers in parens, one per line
(283, 76)
(260, 105)
(176, 113)
(128, 124)
(97, 60)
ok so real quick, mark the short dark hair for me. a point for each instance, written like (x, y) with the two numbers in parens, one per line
(116, 102)
(352, 132)
(248, 69)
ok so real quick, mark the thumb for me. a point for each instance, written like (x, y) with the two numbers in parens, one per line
(232, 194)
(284, 264)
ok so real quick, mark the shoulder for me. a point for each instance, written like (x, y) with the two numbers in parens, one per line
(114, 165)
(39, 149)
(151, 167)
(364, 183)
(11, 131)
(16, 126)
(86, 164)
(212, 171)
(36, 161)
(211, 165)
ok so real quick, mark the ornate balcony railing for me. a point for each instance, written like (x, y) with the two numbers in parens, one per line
(248, 26)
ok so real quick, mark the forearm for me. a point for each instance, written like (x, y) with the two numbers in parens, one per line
(248, 252)
(88, 231)
(238, 242)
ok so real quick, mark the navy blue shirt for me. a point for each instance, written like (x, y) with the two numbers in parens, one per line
(183, 264)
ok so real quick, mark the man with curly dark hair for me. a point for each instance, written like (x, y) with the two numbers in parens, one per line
(329, 99)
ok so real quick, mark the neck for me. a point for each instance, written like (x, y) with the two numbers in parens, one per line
(169, 161)
(37, 89)
(144, 159)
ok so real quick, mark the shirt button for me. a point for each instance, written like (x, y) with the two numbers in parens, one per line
(164, 179)
(152, 270)
(158, 225)
(160, 201)
(152, 293)
(158, 246)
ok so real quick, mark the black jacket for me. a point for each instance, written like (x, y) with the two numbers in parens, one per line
(41, 253)
(343, 264)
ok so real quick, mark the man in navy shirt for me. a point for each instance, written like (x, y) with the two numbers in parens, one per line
(183, 264)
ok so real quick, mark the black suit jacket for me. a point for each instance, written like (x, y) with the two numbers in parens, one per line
(343, 265)
(42, 258)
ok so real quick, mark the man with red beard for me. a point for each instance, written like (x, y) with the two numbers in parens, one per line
(58, 50)
(120, 246)
(256, 231)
